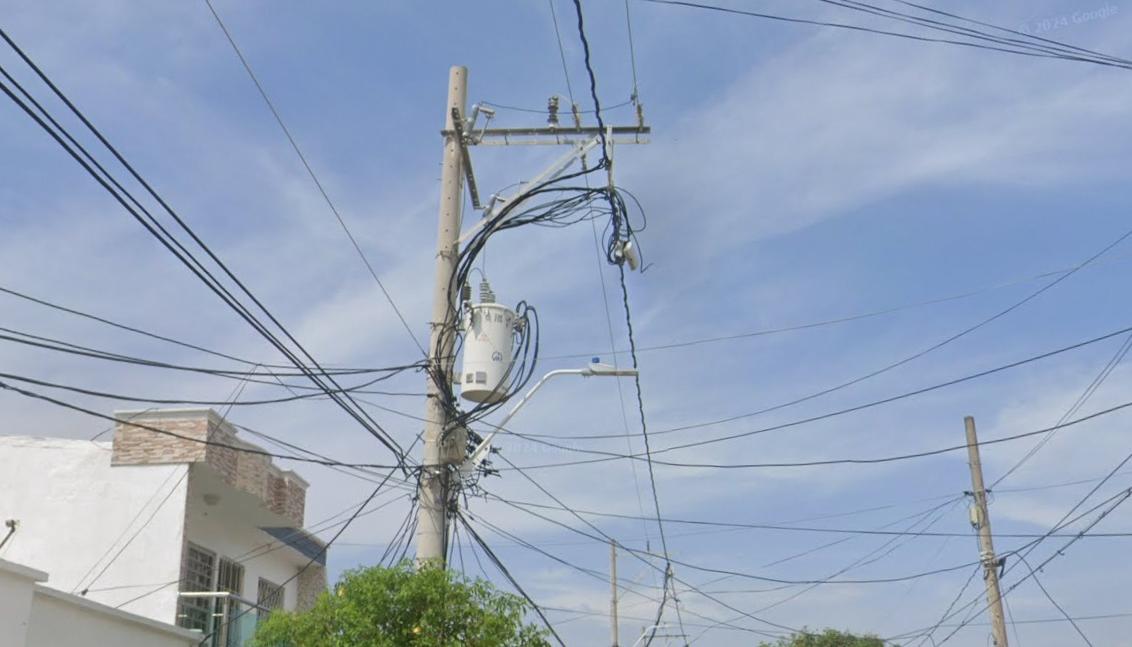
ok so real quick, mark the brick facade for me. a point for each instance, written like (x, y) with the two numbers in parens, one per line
(282, 491)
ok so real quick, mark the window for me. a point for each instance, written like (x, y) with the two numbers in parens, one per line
(269, 598)
(196, 575)
(230, 578)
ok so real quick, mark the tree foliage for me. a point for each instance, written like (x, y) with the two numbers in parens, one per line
(405, 607)
(827, 638)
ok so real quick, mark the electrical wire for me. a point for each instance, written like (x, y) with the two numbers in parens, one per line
(317, 556)
(1027, 41)
(562, 55)
(93, 580)
(507, 574)
(173, 434)
(1021, 50)
(1060, 609)
(593, 573)
(310, 171)
(160, 233)
(822, 323)
(839, 412)
(617, 225)
(950, 28)
(542, 111)
(739, 525)
(1081, 400)
(609, 456)
(1057, 553)
(139, 331)
(1065, 521)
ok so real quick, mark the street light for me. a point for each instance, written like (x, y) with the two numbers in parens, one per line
(595, 369)
(653, 628)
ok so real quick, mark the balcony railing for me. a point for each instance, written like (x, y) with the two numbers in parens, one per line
(229, 619)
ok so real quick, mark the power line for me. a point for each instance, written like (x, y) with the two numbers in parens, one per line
(839, 412)
(595, 574)
(1056, 49)
(160, 233)
(507, 574)
(821, 323)
(632, 54)
(1021, 50)
(607, 162)
(562, 54)
(542, 111)
(165, 432)
(136, 330)
(1121, 498)
(610, 456)
(738, 525)
(136, 533)
(1025, 550)
(1059, 608)
(1003, 29)
(1083, 398)
(317, 556)
(314, 177)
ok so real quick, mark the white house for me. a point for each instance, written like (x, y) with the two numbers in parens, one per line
(34, 615)
(172, 529)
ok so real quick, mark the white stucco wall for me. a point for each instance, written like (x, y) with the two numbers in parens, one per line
(229, 529)
(17, 586)
(61, 620)
(77, 512)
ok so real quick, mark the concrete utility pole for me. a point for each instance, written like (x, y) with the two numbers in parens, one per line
(613, 591)
(442, 447)
(981, 520)
(445, 447)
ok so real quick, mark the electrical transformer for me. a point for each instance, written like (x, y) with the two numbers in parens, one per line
(489, 340)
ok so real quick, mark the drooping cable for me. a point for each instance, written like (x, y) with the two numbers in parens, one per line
(616, 225)
(310, 171)
(159, 232)
(507, 574)
(1018, 50)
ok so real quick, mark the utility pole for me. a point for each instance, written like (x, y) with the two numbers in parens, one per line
(445, 446)
(442, 447)
(613, 591)
(981, 520)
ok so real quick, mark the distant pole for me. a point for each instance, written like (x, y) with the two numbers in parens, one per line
(435, 476)
(613, 591)
(981, 520)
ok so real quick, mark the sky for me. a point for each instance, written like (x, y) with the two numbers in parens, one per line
(906, 191)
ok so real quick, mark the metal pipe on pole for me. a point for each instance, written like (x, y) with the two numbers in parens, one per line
(981, 520)
(443, 447)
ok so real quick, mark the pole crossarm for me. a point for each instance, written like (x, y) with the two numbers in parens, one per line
(546, 136)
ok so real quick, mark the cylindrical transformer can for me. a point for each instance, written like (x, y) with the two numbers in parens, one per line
(489, 339)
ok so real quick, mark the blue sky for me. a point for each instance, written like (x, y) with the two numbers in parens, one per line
(794, 175)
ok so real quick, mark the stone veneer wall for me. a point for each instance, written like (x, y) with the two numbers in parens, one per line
(312, 582)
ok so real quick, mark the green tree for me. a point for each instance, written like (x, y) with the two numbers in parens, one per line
(827, 638)
(405, 607)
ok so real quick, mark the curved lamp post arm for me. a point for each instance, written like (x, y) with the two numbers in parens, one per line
(484, 448)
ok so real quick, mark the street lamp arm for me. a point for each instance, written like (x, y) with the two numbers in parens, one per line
(484, 448)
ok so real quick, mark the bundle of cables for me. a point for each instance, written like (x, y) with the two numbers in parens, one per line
(558, 202)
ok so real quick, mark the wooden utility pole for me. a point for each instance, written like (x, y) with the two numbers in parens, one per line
(435, 477)
(445, 446)
(981, 520)
(613, 591)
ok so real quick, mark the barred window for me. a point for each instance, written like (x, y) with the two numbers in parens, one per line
(269, 598)
(196, 575)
